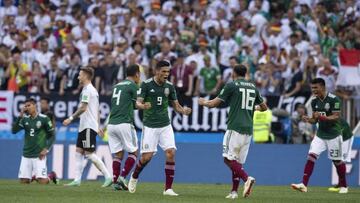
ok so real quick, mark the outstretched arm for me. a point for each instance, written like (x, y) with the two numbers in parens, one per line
(140, 104)
(180, 109)
(210, 103)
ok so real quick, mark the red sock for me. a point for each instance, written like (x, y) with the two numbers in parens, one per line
(116, 165)
(139, 167)
(237, 168)
(309, 166)
(341, 171)
(169, 173)
(235, 182)
(129, 163)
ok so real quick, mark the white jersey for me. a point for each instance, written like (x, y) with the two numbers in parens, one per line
(90, 118)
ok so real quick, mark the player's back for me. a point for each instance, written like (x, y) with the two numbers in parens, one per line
(241, 96)
(122, 102)
(89, 119)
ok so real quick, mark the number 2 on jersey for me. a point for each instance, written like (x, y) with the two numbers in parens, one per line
(247, 101)
(32, 132)
(117, 96)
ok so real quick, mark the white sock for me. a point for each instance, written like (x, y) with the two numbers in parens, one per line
(99, 164)
(79, 166)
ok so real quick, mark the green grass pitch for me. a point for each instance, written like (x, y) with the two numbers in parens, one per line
(90, 191)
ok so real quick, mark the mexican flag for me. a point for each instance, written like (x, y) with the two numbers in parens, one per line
(349, 69)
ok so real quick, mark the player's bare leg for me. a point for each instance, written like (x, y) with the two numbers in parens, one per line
(169, 172)
(25, 181)
(144, 160)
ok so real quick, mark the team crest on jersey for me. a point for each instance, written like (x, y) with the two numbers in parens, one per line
(327, 106)
(166, 92)
(38, 124)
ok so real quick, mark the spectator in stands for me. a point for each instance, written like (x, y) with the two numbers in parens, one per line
(53, 77)
(328, 73)
(17, 73)
(36, 79)
(310, 70)
(226, 76)
(228, 48)
(43, 55)
(69, 81)
(303, 132)
(209, 80)
(182, 76)
(296, 79)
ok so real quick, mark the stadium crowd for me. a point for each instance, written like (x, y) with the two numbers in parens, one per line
(284, 44)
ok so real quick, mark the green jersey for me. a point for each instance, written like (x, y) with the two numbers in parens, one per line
(346, 130)
(210, 76)
(159, 96)
(122, 102)
(39, 134)
(326, 107)
(242, 96)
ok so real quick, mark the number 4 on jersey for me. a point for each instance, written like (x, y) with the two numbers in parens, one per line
(117, 96)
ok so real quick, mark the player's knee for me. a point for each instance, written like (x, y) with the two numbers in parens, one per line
(146, 157)
(337, 162)
(43, 181)
(170, 154)
(312, 157)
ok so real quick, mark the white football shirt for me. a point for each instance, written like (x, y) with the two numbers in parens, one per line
(89, 119)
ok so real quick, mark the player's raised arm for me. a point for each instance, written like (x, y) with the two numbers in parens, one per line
(17, 126)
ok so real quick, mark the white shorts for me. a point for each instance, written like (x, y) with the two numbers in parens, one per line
(32, 166)
(346, 149)
(151, 137)
(334, 147)
(236, 146)
(122, 137)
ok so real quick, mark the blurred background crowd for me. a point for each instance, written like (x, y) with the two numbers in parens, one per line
(284, 43)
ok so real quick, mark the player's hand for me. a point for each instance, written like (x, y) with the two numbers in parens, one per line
(147, 105)
(66, 122)
(186, 110)
(202, 101)
(43, 154)
(23, 110)
(101, 132)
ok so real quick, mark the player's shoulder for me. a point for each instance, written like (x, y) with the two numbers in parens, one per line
(169, 83)
(333, 96)
(148, 80)
(43, 116)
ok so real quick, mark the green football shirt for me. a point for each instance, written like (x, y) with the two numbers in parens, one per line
(210, 76)
(39, 134)
(326, 107)
(346, 130)
(159, 96)
(123, 102)
(242, 96)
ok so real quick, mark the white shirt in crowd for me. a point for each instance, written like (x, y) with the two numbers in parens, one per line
(90, 118)
(228, 48)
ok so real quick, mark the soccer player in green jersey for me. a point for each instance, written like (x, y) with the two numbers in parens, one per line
(348, 139)
(39, 137)
(121, 130)
(243, 98)
(157, 128)
(326, 111)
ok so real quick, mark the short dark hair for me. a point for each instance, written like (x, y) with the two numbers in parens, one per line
(318, 81)
(47, 99)
(161, 64)
(89, 71)
(132, 70)
(240, 70)
(31, 100)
